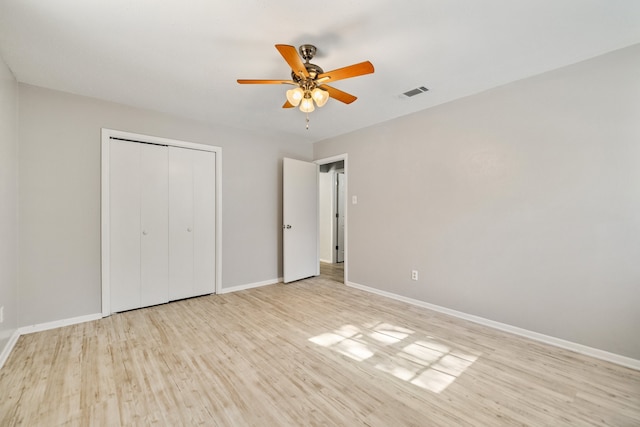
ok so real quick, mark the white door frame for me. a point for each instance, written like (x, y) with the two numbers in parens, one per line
(325, 161)
(340, 203)
(107, 134)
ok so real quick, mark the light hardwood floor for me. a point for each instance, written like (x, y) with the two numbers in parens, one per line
(311, 353)
(332, 271)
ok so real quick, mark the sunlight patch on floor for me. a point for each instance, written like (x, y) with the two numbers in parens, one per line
(415, 358)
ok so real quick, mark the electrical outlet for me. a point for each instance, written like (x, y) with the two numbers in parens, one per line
(414, 274)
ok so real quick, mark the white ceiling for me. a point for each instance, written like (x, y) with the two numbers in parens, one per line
(183, 57)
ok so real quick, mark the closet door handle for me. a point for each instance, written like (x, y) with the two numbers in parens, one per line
(144, 233)
(189, 229)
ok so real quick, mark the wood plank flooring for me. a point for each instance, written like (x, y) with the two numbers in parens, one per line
(310, 353)
(332, 271)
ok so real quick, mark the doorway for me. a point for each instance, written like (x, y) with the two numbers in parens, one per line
(332, 182)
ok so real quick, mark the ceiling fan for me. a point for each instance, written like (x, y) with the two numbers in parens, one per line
(311, 80)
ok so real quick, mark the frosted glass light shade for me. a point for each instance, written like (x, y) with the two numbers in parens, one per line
(320, 96)
(294, 96)
(306, 106)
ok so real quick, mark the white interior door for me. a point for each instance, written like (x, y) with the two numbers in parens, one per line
(192, 224)
(180, 223)
(204, 222)
(138, 225)
(154, 221)
(300, 220)
(125, 229)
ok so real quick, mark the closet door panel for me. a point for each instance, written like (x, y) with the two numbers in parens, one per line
(154, 199)
(180, 223)
(204, 216)
(124, 229)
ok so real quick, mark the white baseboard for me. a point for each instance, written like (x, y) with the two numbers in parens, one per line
(328, 261)
(568, 345)
(58, 323)
(250, 286)
(6, 351)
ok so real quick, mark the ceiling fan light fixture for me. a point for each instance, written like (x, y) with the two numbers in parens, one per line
(320, 96)
(306, 105)
(307, 79)
(294, 96)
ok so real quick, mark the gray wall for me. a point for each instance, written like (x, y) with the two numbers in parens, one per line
(8, 203)
(59, 200)
(520, 204)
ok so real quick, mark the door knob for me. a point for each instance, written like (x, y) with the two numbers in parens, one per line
(189, 230)
(144, 233)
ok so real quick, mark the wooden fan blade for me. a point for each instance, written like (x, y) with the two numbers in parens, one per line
(287, 104)
(290, 54)
(265, 82)
(339, 95)
(354, 70)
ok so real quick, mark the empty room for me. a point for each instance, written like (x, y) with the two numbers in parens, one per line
(342, 213)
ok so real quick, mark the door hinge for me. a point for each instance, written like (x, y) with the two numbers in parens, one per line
(337, 248)
(337, 215)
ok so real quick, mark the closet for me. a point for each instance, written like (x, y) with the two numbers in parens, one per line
(160, 225)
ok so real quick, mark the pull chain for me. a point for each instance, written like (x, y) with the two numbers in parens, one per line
(307, 121)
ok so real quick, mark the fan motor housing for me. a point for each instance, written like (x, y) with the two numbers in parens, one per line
(313, 70)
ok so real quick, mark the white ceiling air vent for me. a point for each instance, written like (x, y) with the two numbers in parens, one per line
(416, 91)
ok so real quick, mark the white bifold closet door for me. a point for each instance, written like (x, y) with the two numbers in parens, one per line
(139, 250)
(192, 219)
